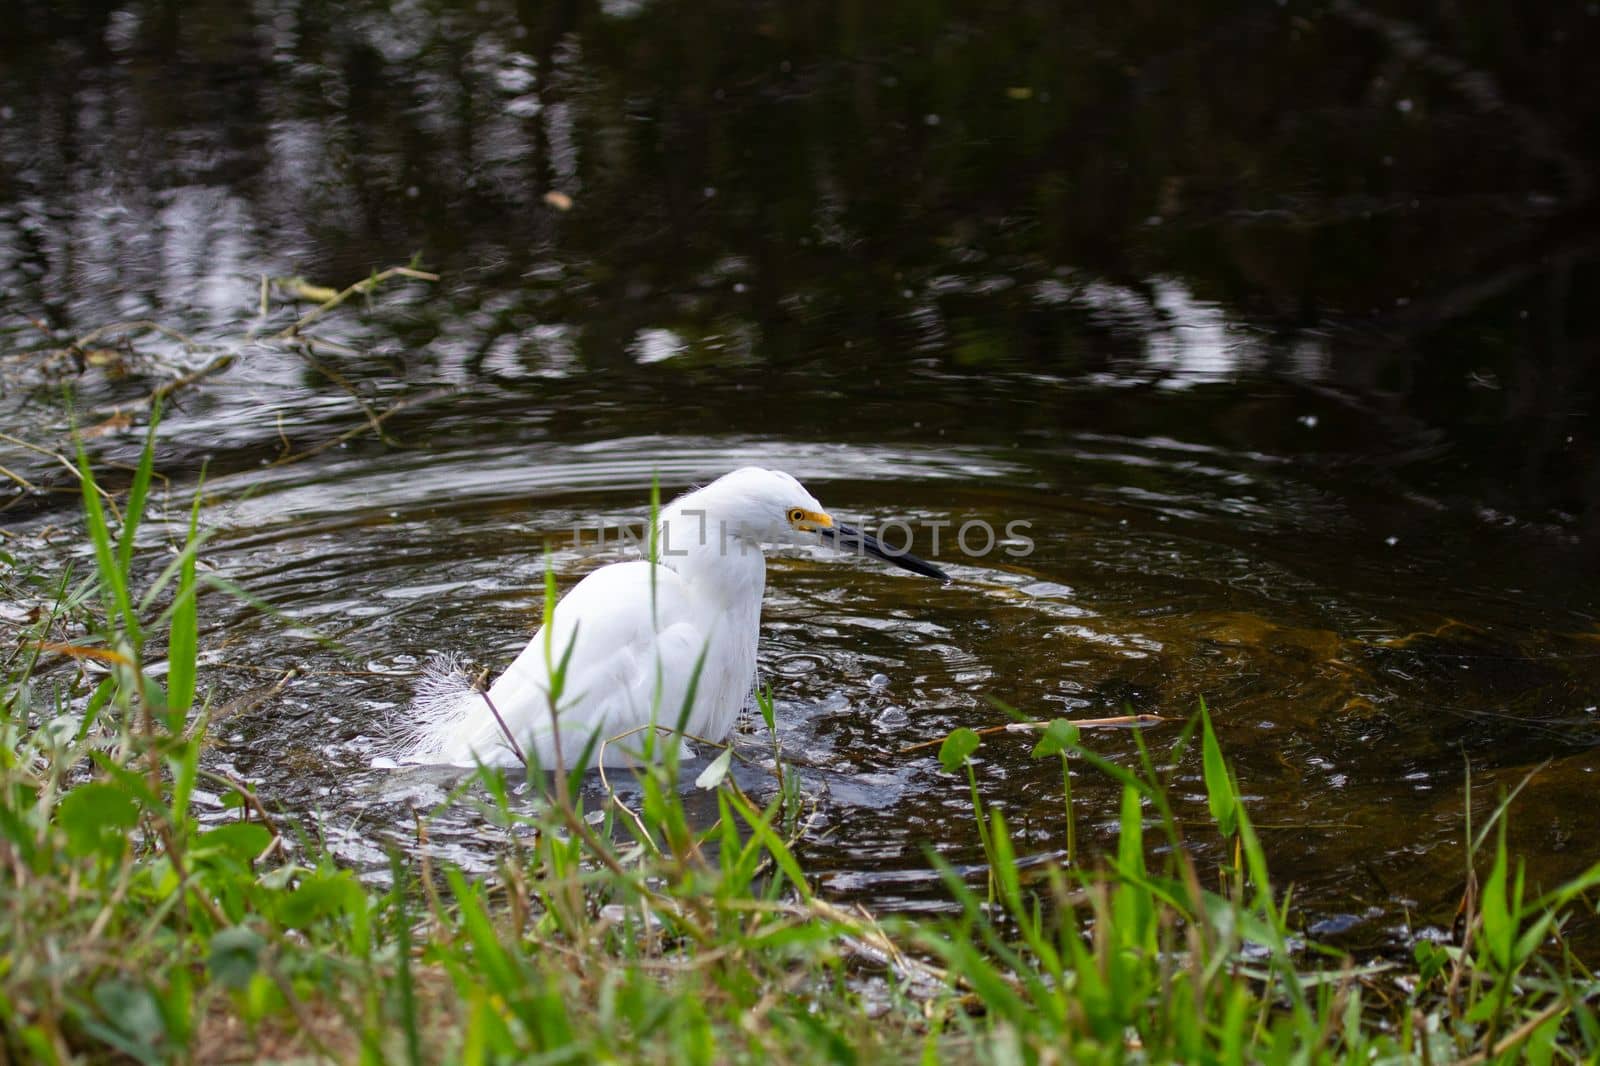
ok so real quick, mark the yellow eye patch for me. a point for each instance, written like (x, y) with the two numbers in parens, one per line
(809, 521)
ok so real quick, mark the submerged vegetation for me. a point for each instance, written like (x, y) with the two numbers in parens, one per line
(157, 909)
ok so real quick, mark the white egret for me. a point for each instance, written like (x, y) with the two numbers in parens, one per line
(631, 651)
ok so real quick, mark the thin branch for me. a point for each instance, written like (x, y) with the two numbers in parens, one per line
(1519, 1034)
(363, 286)
(251, 700)
(344, 383)
(167, 388)
(58, 457)
(247, 794)
(392, 410)
(19, 479)
(516, 749)
(141, 325)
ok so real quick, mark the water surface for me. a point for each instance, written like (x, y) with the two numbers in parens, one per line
(1288, 373)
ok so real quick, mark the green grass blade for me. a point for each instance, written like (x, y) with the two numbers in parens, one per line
(761, 827)
(184, 636)
(113, 580)
(138, 491)
(1220, 795)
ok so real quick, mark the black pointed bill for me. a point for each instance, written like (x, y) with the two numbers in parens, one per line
(850, 539)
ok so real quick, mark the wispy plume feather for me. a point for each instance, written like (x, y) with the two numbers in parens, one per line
(441, 704)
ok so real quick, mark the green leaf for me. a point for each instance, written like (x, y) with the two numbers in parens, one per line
(138, 491)
(496, 969)
(1220, 795)
(1255, 861)
(96, 817)
(133, 782)
(133, 1016)
(184, 638)
(1541, 1046)
(1060, 737)
(241, 840)
(1130, 839)
(958, 748)
(1003, 861)
(235, 956)
(655, 530)
(320, 896)
(178, 1004)
(768, 709)
(1498, 929)
(1430, 959)
(761, 827)
(1532, 937)
(712, 775)
(113, 581)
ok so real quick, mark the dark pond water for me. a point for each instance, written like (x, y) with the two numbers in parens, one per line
(1272, 323)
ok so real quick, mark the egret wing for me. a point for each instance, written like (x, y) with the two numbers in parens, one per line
(629, 654)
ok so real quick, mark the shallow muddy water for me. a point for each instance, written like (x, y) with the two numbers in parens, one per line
(1307, 444)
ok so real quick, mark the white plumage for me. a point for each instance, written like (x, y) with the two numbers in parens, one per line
(634, 650)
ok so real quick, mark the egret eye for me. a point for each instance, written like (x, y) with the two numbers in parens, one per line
(795, 514)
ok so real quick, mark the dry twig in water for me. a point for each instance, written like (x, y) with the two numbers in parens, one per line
(363, 286)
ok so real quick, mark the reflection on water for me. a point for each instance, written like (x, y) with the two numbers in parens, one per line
(1287, 371)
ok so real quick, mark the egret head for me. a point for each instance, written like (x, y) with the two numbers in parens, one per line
(757, 506)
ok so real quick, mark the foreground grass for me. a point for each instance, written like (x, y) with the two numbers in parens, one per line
(129, 929)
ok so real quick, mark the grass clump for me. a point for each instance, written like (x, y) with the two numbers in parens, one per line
(132, 928)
